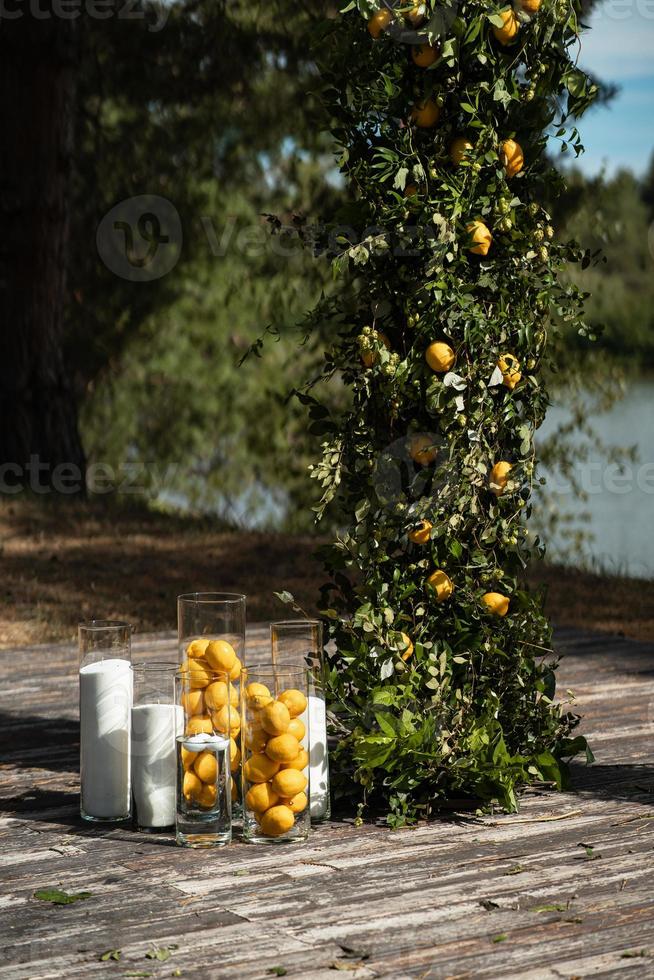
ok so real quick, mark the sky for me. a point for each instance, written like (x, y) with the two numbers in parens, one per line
(619, 48)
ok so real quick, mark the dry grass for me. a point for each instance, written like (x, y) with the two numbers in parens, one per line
(63, 561)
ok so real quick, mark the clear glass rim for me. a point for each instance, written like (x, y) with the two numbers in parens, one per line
(168, 665)
(296, 623)
(275, 668)
(194, 598)
(97, 625)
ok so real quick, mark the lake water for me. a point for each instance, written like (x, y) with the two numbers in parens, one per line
(621, 506)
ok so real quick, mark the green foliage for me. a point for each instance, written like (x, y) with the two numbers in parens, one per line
(613, 215)
(59, 897)
(470, 712)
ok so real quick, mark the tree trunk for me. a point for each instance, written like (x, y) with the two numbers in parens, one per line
(38, 416)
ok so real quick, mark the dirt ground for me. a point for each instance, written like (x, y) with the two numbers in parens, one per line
(61, 562)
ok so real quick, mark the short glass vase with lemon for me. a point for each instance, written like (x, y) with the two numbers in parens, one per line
(275, 748)
(203, 815)
(211, 639)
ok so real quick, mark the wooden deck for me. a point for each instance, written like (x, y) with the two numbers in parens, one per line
(563, 889)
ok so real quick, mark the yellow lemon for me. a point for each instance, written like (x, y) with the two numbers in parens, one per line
(289, 782)
(193, 702)
(529, 6)
(421, 449)
(259, 768)
(510, 27)
(370, 357)
(426, 114)
(409, 646)
(511, 157)
(195, 649)
(197, 673)
(188, 758)
(234, 753)
(226, 719)
(441, 585)
(297, 729)
(220, 655)
(499, 476)
(425, 55)
(207, 796)
(206, 767)
(256, 738)
(298, 803)
(421, 535)
(260, 798)
(277, 821)
(379, 22)
(199, 724)
(459, 149)
(510, 368)
(282, 748)
(258, 696)
(234, 791)
(235, 672)
(440, 357)
(496, 603)
(294, 700)
(480, 237)
(191, 787)
(300, 762)
(218, 693)
(275, 718)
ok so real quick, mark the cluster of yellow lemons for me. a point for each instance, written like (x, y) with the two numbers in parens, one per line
(439, 355)
(426, 113)
(210, 705)
(276, 759)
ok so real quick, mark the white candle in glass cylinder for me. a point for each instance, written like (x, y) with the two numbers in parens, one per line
(105, 689)
(318, 759)
(154, 730)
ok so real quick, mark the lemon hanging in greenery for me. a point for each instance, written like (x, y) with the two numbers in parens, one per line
(507, 33)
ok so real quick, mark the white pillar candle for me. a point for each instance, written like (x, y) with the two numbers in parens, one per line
(105, 689)
(154, 730)
(318, 759)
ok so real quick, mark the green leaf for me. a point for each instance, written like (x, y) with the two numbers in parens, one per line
(161, 953)
(278, 971)
(110, 954)
(58, 897)
(500, 938)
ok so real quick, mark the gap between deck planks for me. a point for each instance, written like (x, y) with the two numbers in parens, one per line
(423, 902)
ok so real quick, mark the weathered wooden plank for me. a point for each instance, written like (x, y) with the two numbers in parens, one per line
(422, 902)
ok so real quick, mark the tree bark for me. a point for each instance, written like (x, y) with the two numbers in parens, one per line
(38, 415)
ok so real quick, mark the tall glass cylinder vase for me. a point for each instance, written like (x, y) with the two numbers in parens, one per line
(296, 641)
(211, 637)
(275, 744)
(105, 701)
(156, 722)
(210, 727)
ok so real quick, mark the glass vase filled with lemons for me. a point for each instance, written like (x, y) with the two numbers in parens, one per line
(204, 787)
(211, 639)
(275, 749)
